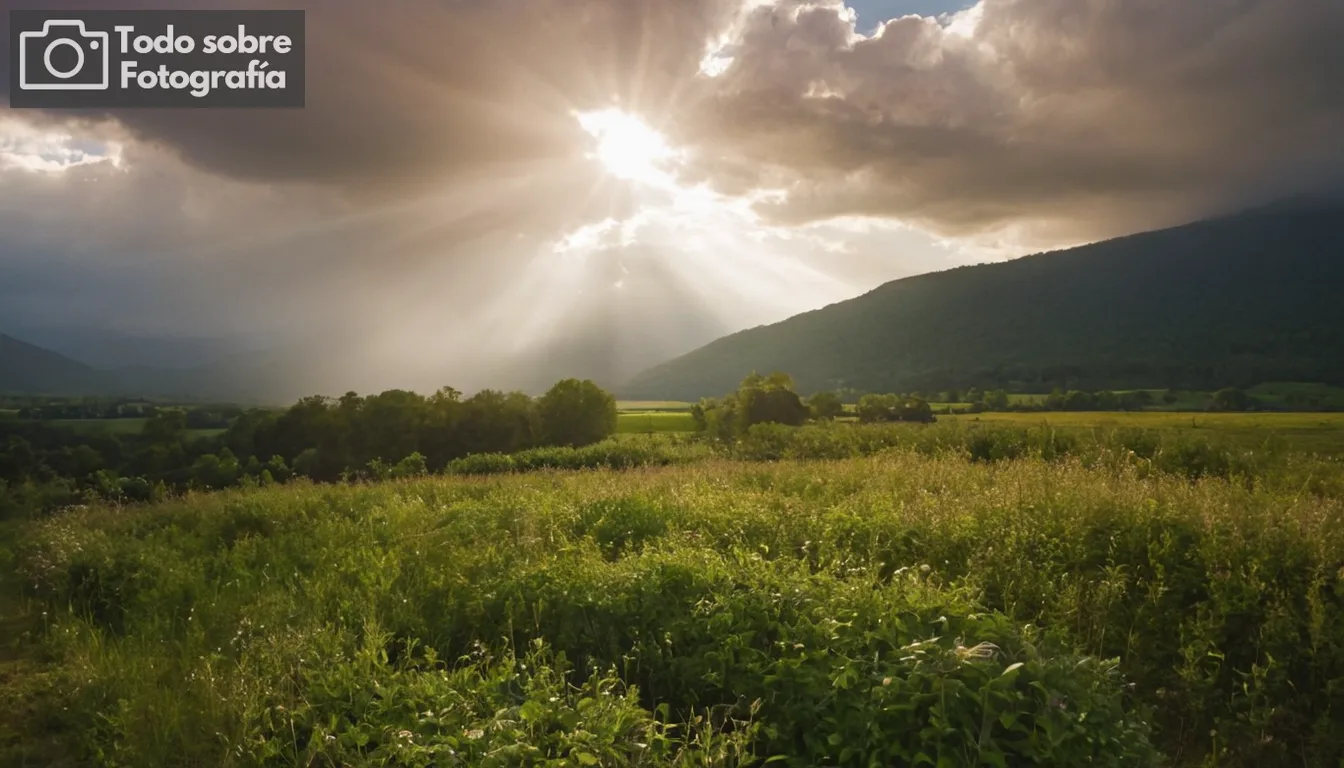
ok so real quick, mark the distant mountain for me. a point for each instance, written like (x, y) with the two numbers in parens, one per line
(1240, 300)
(607, 335)
(27, 369)
(112, 349)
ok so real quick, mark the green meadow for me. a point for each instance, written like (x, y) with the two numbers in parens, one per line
(653, 405)
(117, 427)
(1306, 432)
(1297, 431)
(953, 594)
(105, 426)
(652, 422)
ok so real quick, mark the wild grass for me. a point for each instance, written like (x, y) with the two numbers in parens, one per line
(919, 603)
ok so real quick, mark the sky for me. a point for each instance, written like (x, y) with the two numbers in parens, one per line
(873, 12)
(481, 194)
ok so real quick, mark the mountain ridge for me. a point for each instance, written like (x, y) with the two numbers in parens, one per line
(28, 368)
(1241, 300)
(1212, 303)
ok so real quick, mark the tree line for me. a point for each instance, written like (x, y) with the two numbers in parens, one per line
(976, 401)
(394, 433)
(774, 399)
(33, 408)
(399, 433)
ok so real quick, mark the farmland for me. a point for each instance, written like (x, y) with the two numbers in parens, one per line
(635, 406)
(965, 593)
(118, 427)
(648, 422)
(647, 417)
(1309, 432)
(1304, 432)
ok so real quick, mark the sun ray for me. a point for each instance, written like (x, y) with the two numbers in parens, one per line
(628, 148)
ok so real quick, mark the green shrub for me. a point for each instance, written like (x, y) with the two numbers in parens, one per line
(482, 464)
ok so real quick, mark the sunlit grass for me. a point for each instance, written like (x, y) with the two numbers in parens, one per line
(1314, 432)
(653, 422)
(317, 625)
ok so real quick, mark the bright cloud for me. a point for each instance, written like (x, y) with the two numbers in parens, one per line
(471, 179)
(41, 150)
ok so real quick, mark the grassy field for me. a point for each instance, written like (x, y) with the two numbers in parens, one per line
(119, 426)
(1307, 432)
(930, 600)
(1276, 394)
(652, 405)
(652, 422)
(1310, 432)
(1300, 395)
(110, 426)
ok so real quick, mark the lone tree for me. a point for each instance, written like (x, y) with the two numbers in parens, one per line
(997, 400)
(759, 400)
(577, 413)
(825, 406)
(876, 409)
(769, 400)
(1232, 399)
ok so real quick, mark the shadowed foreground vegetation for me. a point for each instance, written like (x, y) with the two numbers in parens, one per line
(881, 595)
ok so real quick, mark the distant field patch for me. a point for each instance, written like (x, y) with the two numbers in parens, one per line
(1311, 432)
(653, 405)
(1300, 395)
(119, 427)
(654, 421)
(113, 426)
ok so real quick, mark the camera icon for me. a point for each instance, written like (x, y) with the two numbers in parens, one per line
(64, 56)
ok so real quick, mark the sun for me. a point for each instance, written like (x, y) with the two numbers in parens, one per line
(627, 147)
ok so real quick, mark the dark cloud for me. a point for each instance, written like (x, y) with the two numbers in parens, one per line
(406, 91)
(410, 212)
(1083, 119)
(1079, 119)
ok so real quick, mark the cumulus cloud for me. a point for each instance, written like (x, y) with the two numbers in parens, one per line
(1066, 120)
(1079, 119)
(437, 194)
(407, 91)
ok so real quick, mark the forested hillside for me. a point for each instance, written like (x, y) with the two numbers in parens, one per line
(1235, 301)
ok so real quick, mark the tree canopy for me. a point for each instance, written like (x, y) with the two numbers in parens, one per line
(577, 413)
